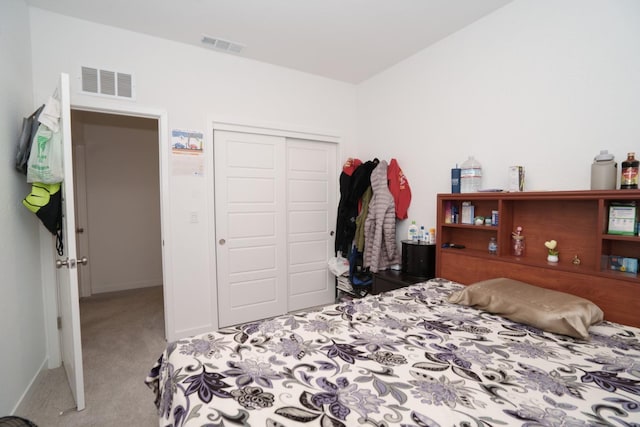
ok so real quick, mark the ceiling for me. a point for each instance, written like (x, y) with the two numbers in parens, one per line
(347, 40)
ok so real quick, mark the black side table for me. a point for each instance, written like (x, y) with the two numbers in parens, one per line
(388, 280)
(419, 259)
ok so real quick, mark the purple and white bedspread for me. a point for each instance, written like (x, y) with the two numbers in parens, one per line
(406, 357)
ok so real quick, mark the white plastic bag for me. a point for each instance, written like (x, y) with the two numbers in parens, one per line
(338, 265)
(45, 160)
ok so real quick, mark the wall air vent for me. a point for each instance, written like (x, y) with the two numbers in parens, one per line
(107, 83)
(222, 45)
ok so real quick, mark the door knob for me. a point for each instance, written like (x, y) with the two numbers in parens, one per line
(80, 230)
(71, 263)
(222, 241)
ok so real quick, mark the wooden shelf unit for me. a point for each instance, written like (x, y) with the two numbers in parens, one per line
(577, 220)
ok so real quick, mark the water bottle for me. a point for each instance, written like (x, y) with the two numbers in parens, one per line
(470, 176)
(413, 231)
(493, 246)
(604, 172)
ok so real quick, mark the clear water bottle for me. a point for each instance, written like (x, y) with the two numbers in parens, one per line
(493, 246)
(412, 233)
(470, 176)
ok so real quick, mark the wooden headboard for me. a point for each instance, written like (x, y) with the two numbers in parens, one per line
(578, 220)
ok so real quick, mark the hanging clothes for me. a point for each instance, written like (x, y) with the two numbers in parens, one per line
(353, 183)
(399, 188)
(45, 200)
(380, 249)
(362, 217)
(342, 243)
(29, 128)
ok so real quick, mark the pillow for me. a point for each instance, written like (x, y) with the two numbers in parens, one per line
(545, 309)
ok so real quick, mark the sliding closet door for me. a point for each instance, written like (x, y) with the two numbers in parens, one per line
(311, 216)
(250, 226)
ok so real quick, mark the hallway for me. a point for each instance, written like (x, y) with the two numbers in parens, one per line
(122, 336)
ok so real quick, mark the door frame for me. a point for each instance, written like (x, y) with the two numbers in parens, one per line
(47, 248)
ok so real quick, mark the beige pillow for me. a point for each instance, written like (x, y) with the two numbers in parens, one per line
(545, 309)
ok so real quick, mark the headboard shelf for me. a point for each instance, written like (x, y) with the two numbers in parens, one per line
(577, 220)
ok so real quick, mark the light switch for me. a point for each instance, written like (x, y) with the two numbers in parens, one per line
(193, 217)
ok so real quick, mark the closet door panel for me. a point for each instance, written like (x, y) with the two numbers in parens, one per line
(309, 282)
(250, 203)
(311, 206)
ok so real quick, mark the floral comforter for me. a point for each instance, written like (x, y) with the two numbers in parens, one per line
(406, 357)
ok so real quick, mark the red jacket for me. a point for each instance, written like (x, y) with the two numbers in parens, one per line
(399, 188)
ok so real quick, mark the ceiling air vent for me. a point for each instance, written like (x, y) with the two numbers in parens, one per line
(222, 45)
(107, 83)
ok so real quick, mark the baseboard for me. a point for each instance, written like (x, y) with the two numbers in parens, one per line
(116, 287)
(27, 392)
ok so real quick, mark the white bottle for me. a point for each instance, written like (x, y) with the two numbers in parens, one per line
(413, 231)
(423, 235)
(470, 176)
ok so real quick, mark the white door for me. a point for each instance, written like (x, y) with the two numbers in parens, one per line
(250, 227)
(67, 273)
(311, 211)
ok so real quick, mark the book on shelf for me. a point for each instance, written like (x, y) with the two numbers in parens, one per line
(623, 219)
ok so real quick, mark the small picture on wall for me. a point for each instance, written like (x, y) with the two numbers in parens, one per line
(187, 148)
(186, 141)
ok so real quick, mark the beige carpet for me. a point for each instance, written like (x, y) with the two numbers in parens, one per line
(122, 336)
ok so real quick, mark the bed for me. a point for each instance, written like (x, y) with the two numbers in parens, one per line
(406, 357)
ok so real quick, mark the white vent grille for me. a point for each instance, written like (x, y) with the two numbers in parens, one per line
(124, 85)
(107, 83)
(222, 45)
(89, 80)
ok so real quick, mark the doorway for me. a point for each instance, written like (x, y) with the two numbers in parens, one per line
(117, 187)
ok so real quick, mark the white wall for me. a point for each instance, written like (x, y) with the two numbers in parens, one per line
(192, 84)
(22, 331)
(122, 199)
(543, 84)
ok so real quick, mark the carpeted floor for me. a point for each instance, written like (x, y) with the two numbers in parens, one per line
(122, 336)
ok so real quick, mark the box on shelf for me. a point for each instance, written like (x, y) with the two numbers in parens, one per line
(468, 214)
(620, 263)
(622, 219)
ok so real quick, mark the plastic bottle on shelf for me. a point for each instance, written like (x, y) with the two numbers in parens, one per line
(629, 177)
(493, 246)
(423, 236)
(432, 236)
(604, 171)
(413, 231)
(470, 176)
